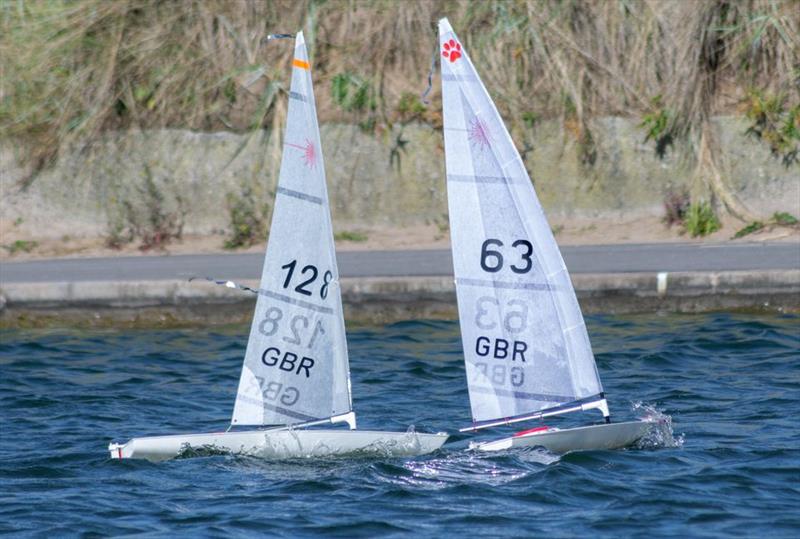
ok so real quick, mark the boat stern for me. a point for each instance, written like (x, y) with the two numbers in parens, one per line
(589, 438)
(118, 451)
(432, 442)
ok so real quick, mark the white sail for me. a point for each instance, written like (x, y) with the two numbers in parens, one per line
(296, 367)
(525, 343)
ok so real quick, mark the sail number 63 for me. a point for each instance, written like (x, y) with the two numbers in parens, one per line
(492, 258)
(487, 317)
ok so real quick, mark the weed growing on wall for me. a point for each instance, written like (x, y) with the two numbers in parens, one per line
(247, 219)
(701, 220)
(149, 213)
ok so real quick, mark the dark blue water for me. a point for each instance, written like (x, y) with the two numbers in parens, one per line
(730, 383)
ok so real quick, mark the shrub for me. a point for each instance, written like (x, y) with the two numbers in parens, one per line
(784, 219)
(755, 226)
(657, 123)
(409, 108)
(776, 125)
(148, 214)
(248, 219)
(350, 236)
(701, 220)
(676, 204)
(158, 225)
(352, 93)
(529, 118)
(23, 246)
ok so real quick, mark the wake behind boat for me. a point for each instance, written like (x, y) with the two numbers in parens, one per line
(526, 347)
(296, 371)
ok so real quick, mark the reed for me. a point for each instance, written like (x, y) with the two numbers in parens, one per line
(72, 69)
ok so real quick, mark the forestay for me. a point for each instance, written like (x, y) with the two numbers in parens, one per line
(525, 343)
(296, 367)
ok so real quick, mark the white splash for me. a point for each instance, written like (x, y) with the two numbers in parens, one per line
(661, 435)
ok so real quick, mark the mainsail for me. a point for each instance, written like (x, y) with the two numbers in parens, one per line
(296, 367)
(525, 343)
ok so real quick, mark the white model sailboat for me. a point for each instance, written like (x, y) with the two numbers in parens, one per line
(526, 348)
(295, 372)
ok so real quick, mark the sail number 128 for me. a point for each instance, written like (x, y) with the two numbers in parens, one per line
(307, 277)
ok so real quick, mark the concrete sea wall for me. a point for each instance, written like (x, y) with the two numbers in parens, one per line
(376, 300)
(394, 178)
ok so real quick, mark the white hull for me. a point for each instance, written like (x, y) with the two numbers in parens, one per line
(593, 437)
(281, 444)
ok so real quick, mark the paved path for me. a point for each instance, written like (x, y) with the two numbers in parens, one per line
(580, 259)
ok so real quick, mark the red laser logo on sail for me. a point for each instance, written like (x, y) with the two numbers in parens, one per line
(452, 50)
(479, 133)
(309, 153)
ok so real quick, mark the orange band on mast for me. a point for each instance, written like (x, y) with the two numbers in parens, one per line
(302, 64)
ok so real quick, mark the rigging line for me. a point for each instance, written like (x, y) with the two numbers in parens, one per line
(273, 295)
(270, 37)
(228, 284)
(431, 71)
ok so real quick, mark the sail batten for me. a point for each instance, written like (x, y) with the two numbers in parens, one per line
(300, 196)
(522, 329)
(296, 367)
(505, 284)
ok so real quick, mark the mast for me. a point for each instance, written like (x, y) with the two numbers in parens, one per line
(526, 348)
(296, 369)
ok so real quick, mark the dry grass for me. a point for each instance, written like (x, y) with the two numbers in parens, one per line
(71, 69)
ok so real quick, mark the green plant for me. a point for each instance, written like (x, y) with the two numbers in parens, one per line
(409, 107)
(784, 219)
(442, 223)
(149, 214)
(755, 226)
(248, 220)
(656, 122)
(158, 225)
(352, 93)
(357, 96)
(775, 124)
(350, 236)
(529, 118)
(701, 220)
(340, 87)
(587, 148)
(368, 125)
(778, 219)
(575, 124)
(117, 235)
(23, 246)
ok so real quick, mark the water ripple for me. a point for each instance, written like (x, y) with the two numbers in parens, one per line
(724, 389)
